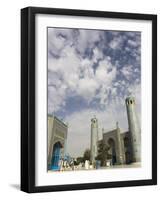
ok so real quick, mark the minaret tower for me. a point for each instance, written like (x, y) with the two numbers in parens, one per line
(120, 153)
(134, 129)
(94, 139)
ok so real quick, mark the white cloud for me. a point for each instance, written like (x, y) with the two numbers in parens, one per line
(116, 42)
(97, 54)
(131, 34)
(87, 88)
(56, 98)
(132, 43)
(86, 39)
(57, 41)
(105, 75)
(76, 76)
(105, 71)
(127, 71)
(66, 76)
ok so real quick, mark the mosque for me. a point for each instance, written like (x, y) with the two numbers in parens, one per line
(57, 141)
(124, 148)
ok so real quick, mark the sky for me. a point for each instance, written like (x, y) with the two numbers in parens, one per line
(90, 73)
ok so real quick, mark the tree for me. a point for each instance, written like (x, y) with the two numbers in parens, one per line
(103, 154)
(80, 160)
(86, 155)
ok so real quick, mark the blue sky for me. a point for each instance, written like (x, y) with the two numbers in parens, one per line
(91, 72)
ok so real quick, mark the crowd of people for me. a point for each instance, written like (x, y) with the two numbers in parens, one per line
(72, 165)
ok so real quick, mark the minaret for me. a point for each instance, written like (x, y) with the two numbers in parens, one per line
(94, 138)
(134, 129)
(120, 154)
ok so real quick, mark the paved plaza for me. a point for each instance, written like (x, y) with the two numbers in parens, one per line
(132, 165)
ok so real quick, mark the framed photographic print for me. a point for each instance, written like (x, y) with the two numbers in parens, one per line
(88, 99)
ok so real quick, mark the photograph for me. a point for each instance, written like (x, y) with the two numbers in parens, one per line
(93, 99)
(89, 99)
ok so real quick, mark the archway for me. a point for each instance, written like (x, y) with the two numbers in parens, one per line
(111, 143)
(127, 157)
(56, 156)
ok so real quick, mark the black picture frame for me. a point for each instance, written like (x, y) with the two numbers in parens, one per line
(28, 98)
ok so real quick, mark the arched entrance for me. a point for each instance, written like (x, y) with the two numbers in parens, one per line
(56, 156)
(127, 157)
(112, 150)
(127, 150)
